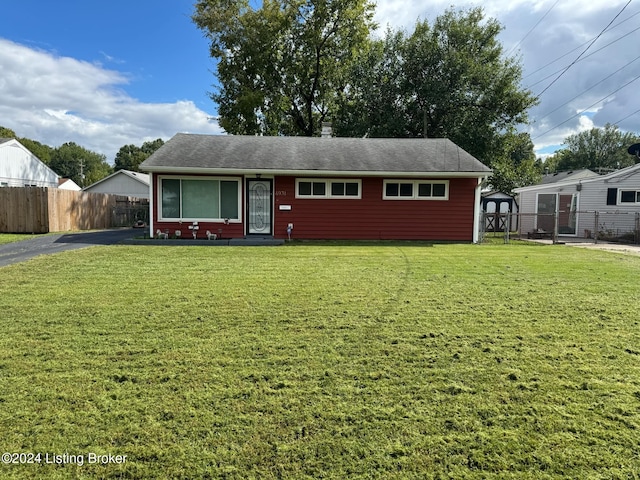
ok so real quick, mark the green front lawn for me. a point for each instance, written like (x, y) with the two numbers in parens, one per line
(13, 237)
(319, 361)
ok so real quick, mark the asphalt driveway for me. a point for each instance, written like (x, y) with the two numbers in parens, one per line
(47, 244)
(601, 245)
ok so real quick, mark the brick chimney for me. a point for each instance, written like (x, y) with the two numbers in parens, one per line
(327, 131)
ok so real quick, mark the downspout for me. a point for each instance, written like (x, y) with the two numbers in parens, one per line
(476, 212)
(152, 178)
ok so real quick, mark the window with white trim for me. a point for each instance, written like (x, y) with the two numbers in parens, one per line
(415, 190)
(201, 198)
(328, 188)
(629, 196)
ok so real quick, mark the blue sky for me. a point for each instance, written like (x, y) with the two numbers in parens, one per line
(153, 43)
(109, 73)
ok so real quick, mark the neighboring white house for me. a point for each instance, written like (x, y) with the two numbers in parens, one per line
(21, 168)
(122, 182)
(607, 204)
(68, 184)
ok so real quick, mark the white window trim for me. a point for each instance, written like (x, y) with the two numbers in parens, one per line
(620, 202)
(416, 183)
(327, 188)
(189, 219)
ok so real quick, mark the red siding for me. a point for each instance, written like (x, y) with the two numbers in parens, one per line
(373, 218)
(368, 218)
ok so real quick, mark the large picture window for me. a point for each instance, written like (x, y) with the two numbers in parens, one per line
(199, 199)
(415, 190)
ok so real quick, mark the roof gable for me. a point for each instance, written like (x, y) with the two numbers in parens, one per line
(19, 164)
(142, 178)
(495, 194)
(68, 184)
(238, 153)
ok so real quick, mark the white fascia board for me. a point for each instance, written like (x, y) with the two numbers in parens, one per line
(315, 173)
(533, 188)
(568, 183)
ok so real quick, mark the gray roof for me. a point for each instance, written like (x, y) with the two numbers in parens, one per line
(566, 175)
(312, 155)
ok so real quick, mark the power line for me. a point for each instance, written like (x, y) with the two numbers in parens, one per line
(585, 91)
(585, 50)
(592, 105)
(582, 45)
(583, 58)
(532, 29)
(630, 115)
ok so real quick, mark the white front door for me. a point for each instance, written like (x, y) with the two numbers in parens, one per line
(259, 211)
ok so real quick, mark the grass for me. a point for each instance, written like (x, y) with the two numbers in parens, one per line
(320, 361)
(13, 237)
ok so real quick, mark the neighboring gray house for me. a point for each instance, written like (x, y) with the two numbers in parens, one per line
(21, 168)
(584, 204)
(122, 182)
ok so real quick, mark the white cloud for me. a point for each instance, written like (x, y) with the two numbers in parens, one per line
(56, 99)
(566, 31)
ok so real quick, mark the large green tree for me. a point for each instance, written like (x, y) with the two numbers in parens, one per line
(281, 67)
(376, 102)
(285, 67)
(43, 152)
(598, 149)
(79, 164)
(129, 157)
(446, 79)
(7, 133)
(516, 166)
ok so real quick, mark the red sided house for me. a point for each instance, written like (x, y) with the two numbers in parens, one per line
(318, 188)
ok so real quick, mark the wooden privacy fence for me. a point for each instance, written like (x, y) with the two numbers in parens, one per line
(44, 210)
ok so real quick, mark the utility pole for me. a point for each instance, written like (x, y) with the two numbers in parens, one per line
(82, 172)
